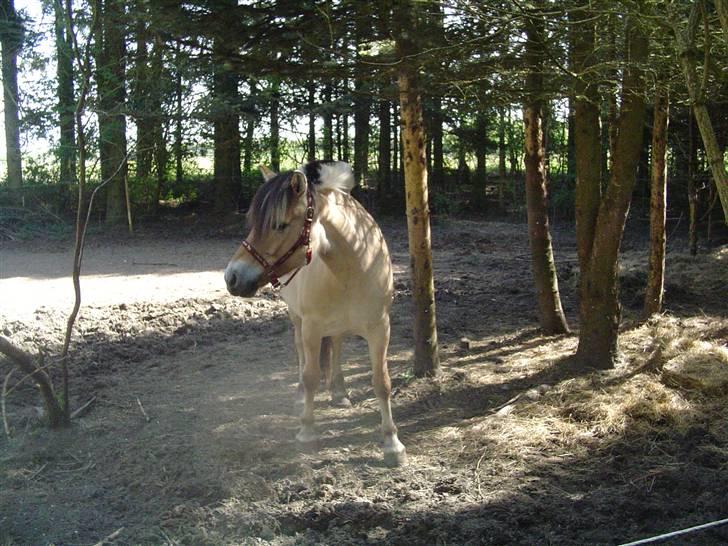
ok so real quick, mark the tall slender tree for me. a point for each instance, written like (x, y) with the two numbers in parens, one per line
(110, 56)
(551, 313)
(11, 40)
(427, 360)
(600, 221)
(65, 90)
(658, 205)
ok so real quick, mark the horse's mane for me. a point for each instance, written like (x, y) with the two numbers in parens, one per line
(270, 203)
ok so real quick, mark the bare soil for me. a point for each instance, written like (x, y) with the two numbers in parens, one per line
(191, 437)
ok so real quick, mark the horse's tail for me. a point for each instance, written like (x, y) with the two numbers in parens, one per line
(327, 354)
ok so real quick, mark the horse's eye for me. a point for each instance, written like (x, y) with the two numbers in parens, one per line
(281, 227)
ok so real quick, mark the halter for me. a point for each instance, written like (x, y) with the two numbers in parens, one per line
(304, 239)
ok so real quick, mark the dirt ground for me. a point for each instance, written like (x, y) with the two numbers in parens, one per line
(190, 439)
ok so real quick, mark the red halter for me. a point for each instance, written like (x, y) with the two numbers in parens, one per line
(303, 240)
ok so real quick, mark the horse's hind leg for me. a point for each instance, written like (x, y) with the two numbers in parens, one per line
(378, 339)
(299, 353)
(311, 342)
(339, 396)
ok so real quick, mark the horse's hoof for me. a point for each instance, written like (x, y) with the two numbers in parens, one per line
(307, 439)
(341, 402)
(395, 457)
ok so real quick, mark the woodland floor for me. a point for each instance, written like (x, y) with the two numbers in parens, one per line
(191, 437)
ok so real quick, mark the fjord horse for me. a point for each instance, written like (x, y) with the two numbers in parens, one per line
(309, 236)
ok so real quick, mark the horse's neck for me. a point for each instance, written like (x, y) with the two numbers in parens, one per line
(337, 236)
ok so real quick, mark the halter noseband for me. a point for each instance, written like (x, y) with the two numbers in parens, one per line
(304, 239)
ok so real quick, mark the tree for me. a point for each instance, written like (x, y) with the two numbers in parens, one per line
(226, 123)
(658, 205)
(551, 314)
(11, 40)
(686, 50)
(427, 361)
(601, 219)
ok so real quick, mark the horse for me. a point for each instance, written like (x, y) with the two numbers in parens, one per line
(310, 237)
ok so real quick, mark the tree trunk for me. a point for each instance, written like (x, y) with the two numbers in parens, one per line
(438, 155)
(600, 310)
(311, 148)
(551, 313)
(11, 39)
(501, 159)
(143, 82)
(427, 361)
(658, 206)
(692, 186)
(480, 178)
(159, 140)
(110, 50)
(275, 151)
(328, 136)
(384, 158)
(178, 146)
(226, 122)
(362, 106)
(66, 102)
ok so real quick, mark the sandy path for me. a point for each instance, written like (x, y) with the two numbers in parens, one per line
(148, 271)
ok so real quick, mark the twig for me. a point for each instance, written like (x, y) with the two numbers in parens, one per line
(157, 264)
(79, 411)
(35, 474)
(2, 402)
(142, 408)
(113, 536)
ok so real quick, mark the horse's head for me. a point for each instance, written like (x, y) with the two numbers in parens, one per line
(279, 222)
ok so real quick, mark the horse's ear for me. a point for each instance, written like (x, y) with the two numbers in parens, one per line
(298, 183)
(266, 172)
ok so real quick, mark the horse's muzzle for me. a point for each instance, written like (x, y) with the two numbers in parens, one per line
(238, 283)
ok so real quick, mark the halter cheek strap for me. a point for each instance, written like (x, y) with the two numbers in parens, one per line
(304, 239)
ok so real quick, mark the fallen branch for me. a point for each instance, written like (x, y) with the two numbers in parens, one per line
(113, 536)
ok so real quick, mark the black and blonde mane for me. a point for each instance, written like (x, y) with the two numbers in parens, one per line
(272, 200)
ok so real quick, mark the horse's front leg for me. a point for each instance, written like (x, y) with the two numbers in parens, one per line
(311, 342)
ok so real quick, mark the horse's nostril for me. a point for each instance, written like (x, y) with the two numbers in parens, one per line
(232, 279)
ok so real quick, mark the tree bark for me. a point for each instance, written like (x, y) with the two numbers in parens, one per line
(658, 206)
(427, 361)
(551, 313)
(600, 309)
(66, 102)
(110, 52)
(11, 39)
(501, 159)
